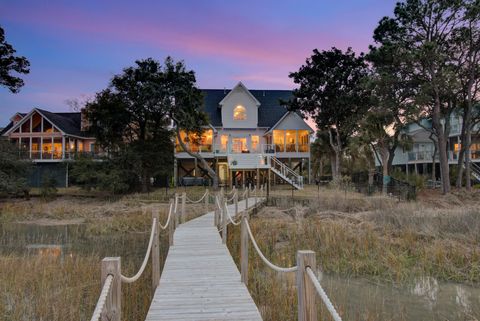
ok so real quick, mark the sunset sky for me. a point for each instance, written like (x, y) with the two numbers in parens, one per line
(75, 47)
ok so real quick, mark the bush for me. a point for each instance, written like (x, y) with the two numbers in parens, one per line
(13, 170)
(48, 189)
(413, 179)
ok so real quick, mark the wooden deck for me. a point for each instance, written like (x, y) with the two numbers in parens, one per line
(200, 280)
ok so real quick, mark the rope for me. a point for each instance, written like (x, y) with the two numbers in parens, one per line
(231, 199)
(102, 298)
(194, 202)
(168, 219)
(145, 260)
(230, 217)
(323, 295)
(267, 262)
(233, 190)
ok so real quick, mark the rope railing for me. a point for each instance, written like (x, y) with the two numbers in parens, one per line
(230, 217)
(264, 259)
(145, 260)
(112, 278)
(323, 295)
(231, 198)
(197, 201)
(164, 227)
(102, 299)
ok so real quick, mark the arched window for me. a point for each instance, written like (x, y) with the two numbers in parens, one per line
(239, 113)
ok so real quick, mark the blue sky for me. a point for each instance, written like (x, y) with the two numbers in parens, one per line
(75, 47)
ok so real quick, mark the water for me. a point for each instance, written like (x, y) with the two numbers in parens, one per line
(73, 239)
(422, 299)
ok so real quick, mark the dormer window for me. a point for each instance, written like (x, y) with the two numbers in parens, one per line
(239, 113)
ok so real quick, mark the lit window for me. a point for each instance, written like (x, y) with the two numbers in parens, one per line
(240, 113)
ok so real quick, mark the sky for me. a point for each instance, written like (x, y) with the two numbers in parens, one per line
(75, 47)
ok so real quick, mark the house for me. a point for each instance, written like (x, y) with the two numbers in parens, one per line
(251, 137)
(419, 159)
(49, 139)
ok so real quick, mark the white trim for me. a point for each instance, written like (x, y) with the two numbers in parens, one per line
(29, 115)
(240, 84)
(283, 117)
(17, 113)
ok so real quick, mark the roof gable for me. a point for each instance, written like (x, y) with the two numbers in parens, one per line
(239, 86)
(270, 110)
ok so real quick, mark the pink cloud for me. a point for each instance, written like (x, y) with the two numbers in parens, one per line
(245, 42)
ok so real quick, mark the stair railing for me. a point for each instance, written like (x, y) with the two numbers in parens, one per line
(286, 171)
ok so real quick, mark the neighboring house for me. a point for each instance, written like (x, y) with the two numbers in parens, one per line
(251, 137)
(419, 159)
(49, 139)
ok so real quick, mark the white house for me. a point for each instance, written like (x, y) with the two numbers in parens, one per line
(251, 137)
(419, 159)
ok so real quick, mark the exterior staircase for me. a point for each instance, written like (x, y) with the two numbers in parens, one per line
(249, 161)
(475, 170)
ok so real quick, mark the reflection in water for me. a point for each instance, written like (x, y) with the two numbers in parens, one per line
(423, 299)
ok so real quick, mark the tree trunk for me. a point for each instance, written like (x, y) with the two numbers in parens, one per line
(384, 152)
(461, 156)
(442, 147)
(337, 149)
(202, 161)
(332, 163)
(468, 142)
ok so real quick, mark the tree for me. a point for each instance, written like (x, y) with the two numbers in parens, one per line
(421, 32)
(378, 130)
(11, 63)
(130, 121)
(183, 102)
(331, 92)
(466, 42)
(392, 90)
(13, 170)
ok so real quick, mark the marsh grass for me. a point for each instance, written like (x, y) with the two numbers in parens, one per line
(377, 238)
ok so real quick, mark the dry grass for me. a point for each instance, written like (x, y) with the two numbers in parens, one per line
(376, 238)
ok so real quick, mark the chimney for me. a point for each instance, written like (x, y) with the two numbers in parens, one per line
(84, 123)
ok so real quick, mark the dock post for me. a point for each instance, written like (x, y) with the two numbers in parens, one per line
(175, 216)
(207, 195)
(184, 201)
(244, 249)
(307, 310)
(113, 305)
(171, 224)
(236, 203)
(224, 223)
(155, 252)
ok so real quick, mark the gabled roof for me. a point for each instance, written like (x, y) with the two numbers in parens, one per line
(242, 86)
(269, 112)
(68, 123)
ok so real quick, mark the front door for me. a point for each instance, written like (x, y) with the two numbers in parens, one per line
(223, 172)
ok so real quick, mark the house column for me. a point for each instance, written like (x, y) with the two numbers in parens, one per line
(284, 140)
(41, 147)
(30, 148)
(296, 140)
(63, 147)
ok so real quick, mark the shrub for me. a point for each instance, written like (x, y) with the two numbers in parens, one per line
(48, 188)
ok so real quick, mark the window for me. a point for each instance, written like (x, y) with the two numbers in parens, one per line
(255, 143)
(239, 113)
(279, 140)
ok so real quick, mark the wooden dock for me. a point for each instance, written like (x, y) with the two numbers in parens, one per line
(200, 280)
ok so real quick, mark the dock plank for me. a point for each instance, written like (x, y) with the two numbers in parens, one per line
(200, 281)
